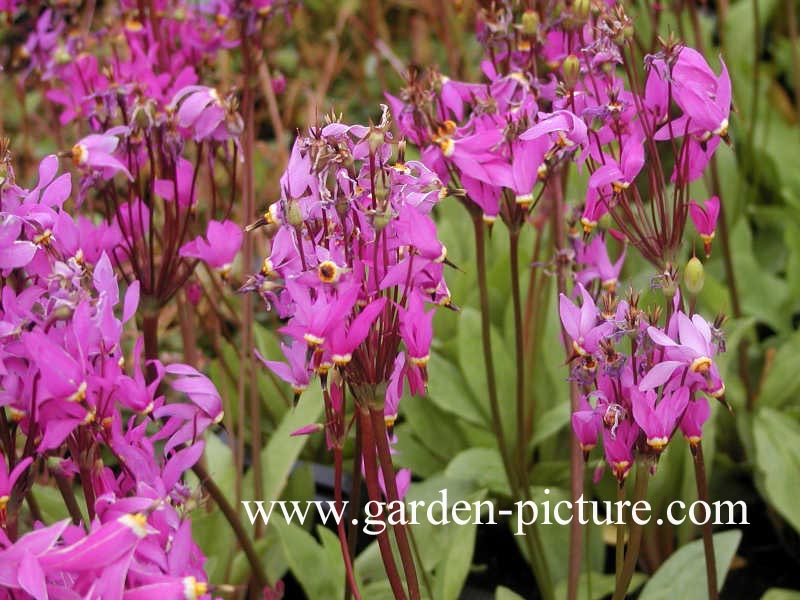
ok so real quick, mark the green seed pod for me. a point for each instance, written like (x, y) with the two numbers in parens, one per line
(581, 9)
(376, 139)
(694, 276)
(572, 70)
(530, 23)
(294, 216)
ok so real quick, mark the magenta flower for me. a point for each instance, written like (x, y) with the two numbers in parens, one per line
(218, 247)
(659, 420)
(14, 252)
(704, 97)
(416, 329)
(692, 358)
(586, 424)
(296, 373)
(343, 341)
(7, 480)
(618, 444)
(705, 218)
(583, 324)
(694, 417)
(599, 265)
(95, 151)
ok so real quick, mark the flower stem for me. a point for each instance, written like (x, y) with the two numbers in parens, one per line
(708, 541)
(576, 462)
(400, 534)
(373, 487)
(337, 498)
(236, 524)
(619, 550)
(513, 239)
(635, 539)
(486, 341)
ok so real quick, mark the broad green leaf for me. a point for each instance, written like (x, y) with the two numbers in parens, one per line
(782, 383)
(595, 586)
(503, 593)
(448, 389)
(279, 455)
(550, 423)
(452, 572)
(781, 594)
(320, 572)
(481, 466)
(472, 366)
(683, 575)
(777, 445)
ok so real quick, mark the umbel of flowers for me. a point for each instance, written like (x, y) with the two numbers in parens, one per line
(76, 409)
(353, 262)
(565, 84)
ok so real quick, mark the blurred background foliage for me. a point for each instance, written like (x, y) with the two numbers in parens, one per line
(340, 56)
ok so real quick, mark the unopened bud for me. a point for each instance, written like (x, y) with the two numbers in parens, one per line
(375, 139)
(294, 216)
(381, 190)
(381, 219)
(572, 70)
(694, 276)
(62, 56)
(530, 23)
(581, 8)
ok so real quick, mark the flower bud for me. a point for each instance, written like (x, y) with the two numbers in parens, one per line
(572, 70)
(530, 23)
(581, 8)
(376, 139)
(294, 216)
(694, 276)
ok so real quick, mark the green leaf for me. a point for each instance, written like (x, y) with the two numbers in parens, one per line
(782, 383)
(595, 586)
(452, 572)
(319, 571)
(481, 466)
(448, 389)
(777, 445)
(684, 574)
(472, 363)
(280, 454)
(503, 593)
(781, 594)
(550, 423)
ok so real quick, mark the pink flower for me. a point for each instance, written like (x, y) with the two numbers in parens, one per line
(581, 324)
(705, 218)
(218, 247)
(586, 423)
(694, 417)
(95, 151)
(658, 420)
(692, 358)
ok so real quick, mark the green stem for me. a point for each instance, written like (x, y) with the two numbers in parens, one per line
(518, 488)
(513, 240)
(486, 340)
